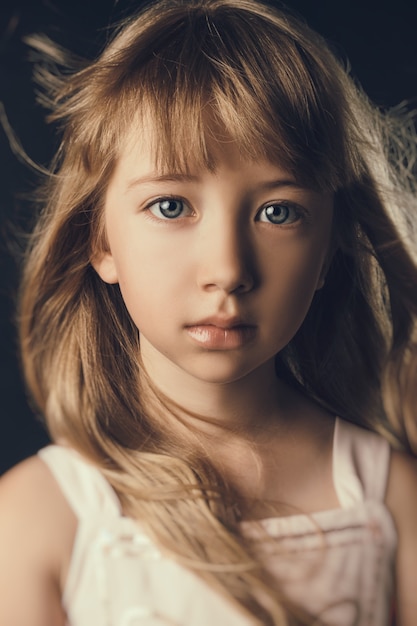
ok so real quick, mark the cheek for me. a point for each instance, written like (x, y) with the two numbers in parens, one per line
(150, 281)
(293, 279)
(140, 286)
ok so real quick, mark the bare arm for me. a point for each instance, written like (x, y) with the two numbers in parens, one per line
(37, 529)
(402, 502)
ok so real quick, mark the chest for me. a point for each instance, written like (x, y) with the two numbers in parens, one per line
(336, 565)
(280, 480)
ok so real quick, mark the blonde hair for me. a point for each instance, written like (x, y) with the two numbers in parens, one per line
(273, 86)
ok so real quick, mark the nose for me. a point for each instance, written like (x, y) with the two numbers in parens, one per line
(226, 258)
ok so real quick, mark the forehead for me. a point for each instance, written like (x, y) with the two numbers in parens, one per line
(146, 150)
(233, 174)
(146, 147)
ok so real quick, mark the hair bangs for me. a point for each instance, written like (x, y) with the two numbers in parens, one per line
(208, 78)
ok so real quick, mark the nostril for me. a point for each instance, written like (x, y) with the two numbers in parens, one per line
(230, 284)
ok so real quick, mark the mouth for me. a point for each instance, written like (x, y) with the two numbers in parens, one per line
(221, 321)
(219, 333)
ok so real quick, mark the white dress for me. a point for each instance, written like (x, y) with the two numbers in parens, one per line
(337, 564)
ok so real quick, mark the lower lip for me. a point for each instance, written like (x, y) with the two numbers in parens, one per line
(216, 338)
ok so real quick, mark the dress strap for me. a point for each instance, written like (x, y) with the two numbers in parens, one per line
(84, 487)
(361, 462)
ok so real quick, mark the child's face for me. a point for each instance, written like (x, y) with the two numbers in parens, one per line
(217, 270)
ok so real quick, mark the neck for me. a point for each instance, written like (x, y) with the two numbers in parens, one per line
(253, 430)
(245, 406)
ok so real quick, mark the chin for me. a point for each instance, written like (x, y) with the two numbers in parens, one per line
(222, 373)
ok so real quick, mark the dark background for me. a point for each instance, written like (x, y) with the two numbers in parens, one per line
(378, 38)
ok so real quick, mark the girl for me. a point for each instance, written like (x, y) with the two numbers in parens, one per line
(218, 306)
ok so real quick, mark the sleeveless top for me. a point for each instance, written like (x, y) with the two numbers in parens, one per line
(337, 564)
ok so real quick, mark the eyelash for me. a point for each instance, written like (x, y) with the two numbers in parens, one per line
(167, 200)
(298, 212)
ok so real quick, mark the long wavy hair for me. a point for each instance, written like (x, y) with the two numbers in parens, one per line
(276, 89)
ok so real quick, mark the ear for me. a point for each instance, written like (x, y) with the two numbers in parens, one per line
(325, 268)
(105, 267)
(332, 247)
(323, 273)
(321, 281)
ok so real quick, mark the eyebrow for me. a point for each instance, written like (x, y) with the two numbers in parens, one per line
(192, 178)
(170, 178)
(282, 182)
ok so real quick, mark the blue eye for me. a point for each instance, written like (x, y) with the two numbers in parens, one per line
(168, 208)
(280, 213)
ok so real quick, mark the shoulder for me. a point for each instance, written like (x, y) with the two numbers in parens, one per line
(23, 491)
(33, 507)
(401, 500)
(31, 488)
(24, 477)
(37, 530)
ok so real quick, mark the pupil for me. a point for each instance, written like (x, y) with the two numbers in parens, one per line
(168, 205)
(277, 213)
(170, 208)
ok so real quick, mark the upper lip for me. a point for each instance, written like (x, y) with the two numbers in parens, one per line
(221, 321)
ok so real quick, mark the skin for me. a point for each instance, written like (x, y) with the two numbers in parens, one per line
(221, 257)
